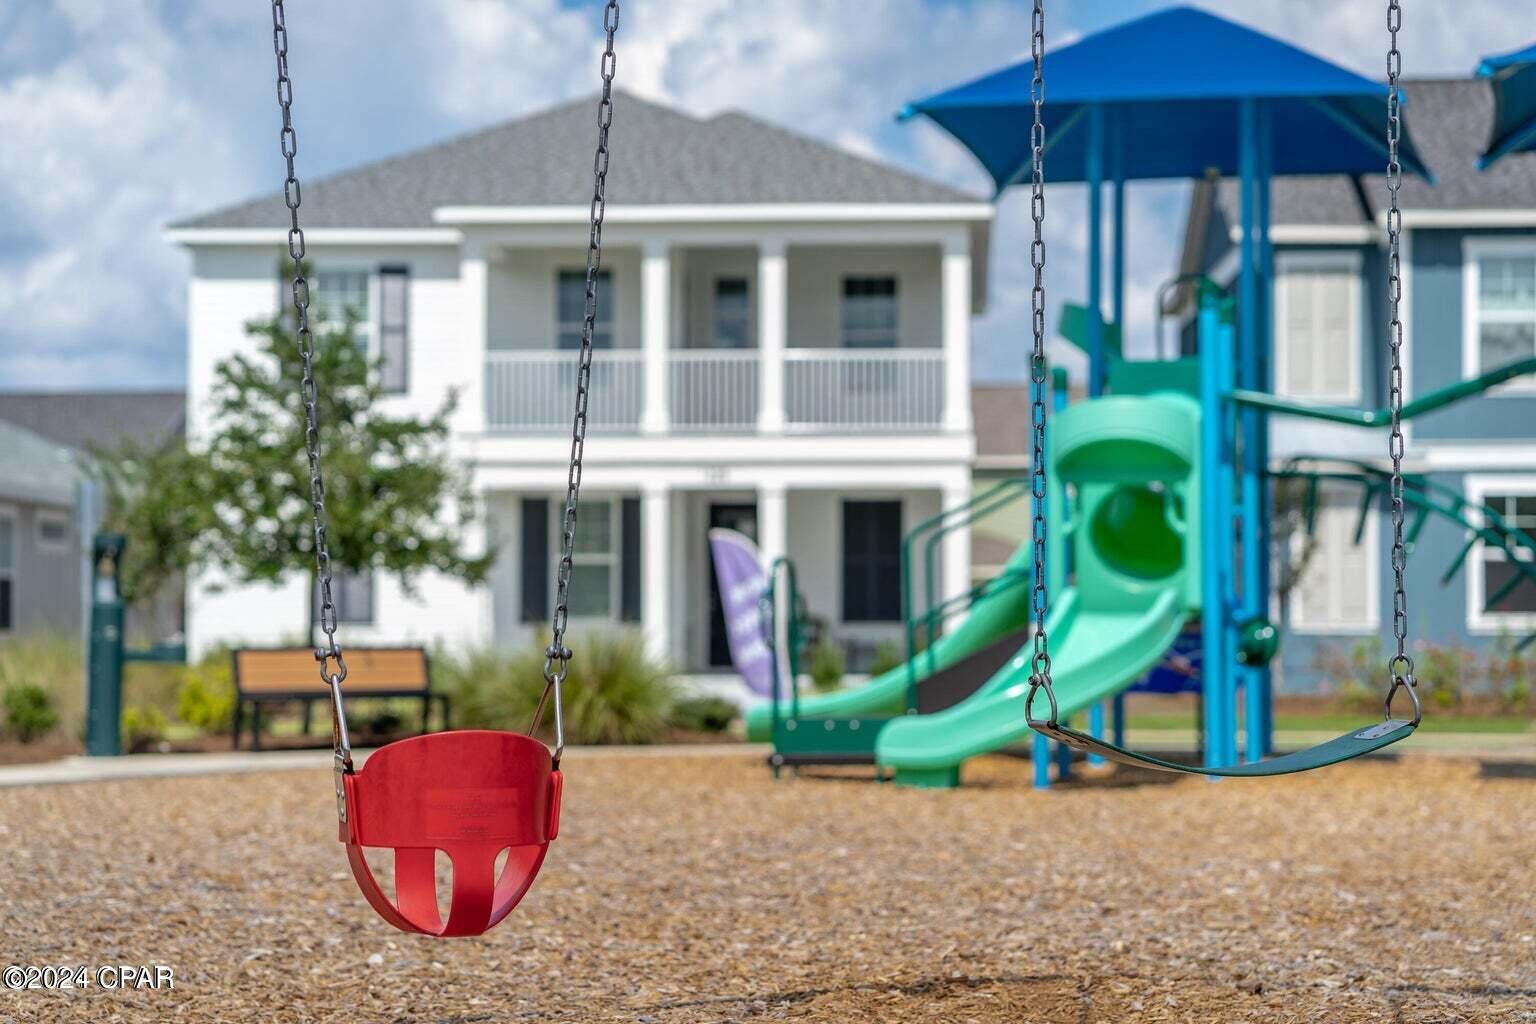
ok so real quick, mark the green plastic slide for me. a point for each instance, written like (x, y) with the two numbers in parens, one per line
(990, 618)
(1096, 655)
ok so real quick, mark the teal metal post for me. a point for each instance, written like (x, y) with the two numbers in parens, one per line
(1216, 502)
(1250, 375)
(1095, 251)
(104, 695)
(1265, 727)
(1226, 533)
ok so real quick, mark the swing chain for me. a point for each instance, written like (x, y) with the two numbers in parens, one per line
(330, 650)
(557, 656)
(1400, 666)
(1040, 663)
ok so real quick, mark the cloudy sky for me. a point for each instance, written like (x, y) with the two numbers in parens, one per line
(121, 115)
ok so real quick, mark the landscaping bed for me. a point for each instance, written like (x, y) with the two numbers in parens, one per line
(688, 889)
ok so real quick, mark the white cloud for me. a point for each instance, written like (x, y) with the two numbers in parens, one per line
(121, 115)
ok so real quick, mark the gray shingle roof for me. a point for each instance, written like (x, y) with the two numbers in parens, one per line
(85, 419)
(1448, 119)
(660, 155)
(33, 468)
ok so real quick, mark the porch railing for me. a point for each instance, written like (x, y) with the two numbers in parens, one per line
(535, 392)
(713, 389)
(863, 389)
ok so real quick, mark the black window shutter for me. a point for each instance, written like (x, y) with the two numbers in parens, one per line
(535, 545)
(629, 561)
(394, 331)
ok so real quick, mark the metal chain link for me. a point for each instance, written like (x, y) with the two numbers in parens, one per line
(1400, 666)
(1040, 665)
(557, 656)
(330, 650)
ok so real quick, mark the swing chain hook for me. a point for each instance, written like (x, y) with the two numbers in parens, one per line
(328, 653)
(557, 655)
(1040, 660)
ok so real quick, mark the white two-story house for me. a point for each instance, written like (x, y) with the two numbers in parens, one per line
(783, 347)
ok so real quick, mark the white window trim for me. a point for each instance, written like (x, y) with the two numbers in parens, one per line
(61, 518)
(11, 514)
(1371, 542)
(1472, 251)
(1348, 262)
(1476, 487)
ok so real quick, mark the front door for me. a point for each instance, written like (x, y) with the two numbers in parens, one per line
(742, 519)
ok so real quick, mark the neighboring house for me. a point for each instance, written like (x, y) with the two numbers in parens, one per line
(783, 342)
(48, 510)
(40, 566)
(1469, 255)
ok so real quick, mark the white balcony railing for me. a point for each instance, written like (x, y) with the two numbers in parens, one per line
(825, 389)
(713, 389)
(535, 392)
(863, 389)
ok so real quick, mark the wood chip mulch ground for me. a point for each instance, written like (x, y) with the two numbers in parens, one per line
(697, 889)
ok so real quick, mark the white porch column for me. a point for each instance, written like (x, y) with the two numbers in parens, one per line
(772, 522)
(656, 569)
(956, 307)
(475, 285)
(955, 548)
(655, 332)
(772, 327)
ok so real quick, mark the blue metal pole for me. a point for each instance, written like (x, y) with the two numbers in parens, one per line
(1250, 422)
(1118, 727)
(1040, 759)
(1095, 251)
(1226, 543)
(1266, 682)
(1210, 508)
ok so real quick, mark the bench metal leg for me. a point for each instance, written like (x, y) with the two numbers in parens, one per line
(234, 733)
(255, 725)
(309, 706)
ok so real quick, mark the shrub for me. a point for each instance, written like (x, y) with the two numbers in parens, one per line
(888, 655)
(1443, 673)
(827, 666)
(703, 714)
(142, 728)
(615, 691)
(1509, 674)
(206, 697)
(29, 712)
(54, 663)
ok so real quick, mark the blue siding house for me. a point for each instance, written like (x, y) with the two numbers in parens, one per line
(1470, 291)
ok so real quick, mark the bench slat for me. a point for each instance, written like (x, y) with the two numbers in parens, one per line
(294, 669)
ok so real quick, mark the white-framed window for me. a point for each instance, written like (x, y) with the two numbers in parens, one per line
(339, 292)
(869, 317)
(353, 595)
(1318, 336)
(53, 531)
(1499, 306)
(595, 576)
(1491, 570)
(1339, 590)
(7, 569)
(571, 309)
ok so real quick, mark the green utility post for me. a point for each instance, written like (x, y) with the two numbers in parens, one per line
(105, 697)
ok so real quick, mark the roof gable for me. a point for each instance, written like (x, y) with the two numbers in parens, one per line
(660, 156)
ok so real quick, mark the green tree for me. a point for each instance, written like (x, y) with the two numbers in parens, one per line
(395, 500)
(152, 493)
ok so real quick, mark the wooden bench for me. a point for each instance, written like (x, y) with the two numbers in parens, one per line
(285, 674)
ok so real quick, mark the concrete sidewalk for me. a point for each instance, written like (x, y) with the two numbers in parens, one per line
(167, 766)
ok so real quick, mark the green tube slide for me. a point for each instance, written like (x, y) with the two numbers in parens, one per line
(1135, 534)
(991, 617)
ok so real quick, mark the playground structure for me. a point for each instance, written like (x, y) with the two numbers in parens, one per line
(1160, 481)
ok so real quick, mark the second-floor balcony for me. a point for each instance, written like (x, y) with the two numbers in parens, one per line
(712, 391)
(761, 338)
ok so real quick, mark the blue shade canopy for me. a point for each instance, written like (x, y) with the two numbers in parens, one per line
(1512, 76)
(1170, 84)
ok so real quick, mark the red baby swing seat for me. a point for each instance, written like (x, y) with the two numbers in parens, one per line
(472, 794)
